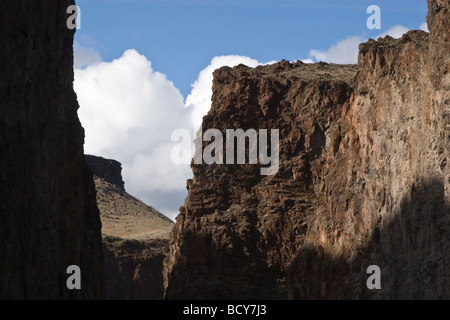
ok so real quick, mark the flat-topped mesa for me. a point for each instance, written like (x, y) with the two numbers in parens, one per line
(106, 169)
(135, 236)
(123, 215)
(363, 179)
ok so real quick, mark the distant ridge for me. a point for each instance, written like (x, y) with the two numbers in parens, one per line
(135, 236)
(123, 215)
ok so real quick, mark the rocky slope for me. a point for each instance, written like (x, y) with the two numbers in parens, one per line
(135, 237)
(124, 216)
(363, 180)
(49, 218)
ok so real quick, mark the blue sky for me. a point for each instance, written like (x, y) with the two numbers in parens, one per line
(143, 69)
(181, 37)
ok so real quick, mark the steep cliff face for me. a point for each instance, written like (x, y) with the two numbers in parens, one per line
(134, 268)
(239, 230)
(383, 200)
(107, 169)
(135, 237)
(49, 218)
(363, 180)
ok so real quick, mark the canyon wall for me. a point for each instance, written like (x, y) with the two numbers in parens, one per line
(382, 197)
(134, 268)
(48, 213)
(363, 180)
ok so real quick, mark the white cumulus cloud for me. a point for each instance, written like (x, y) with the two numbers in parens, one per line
(129, 112)
(424, 27)
(344, 52)
(84, 56)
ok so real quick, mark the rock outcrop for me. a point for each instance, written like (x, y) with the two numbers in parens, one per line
(363, 180)
(135, 237)
(107, 169)
(48, 213)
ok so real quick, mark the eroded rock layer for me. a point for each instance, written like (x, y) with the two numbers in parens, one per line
(363, 179)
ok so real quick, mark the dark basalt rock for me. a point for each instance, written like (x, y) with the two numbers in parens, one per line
(107, 169)
(48, 212)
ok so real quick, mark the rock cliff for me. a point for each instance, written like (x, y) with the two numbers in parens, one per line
(48, 213)
(134, 268)
(363, 179)
(135, 237)
(107, 169)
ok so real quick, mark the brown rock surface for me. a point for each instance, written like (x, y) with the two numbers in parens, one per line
(383, 201)
(49, 218)
(363, 180)
(135, 237)
(239, 230)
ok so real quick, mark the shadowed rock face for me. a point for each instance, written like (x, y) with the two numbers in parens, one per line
(411, 250)
(134, 268)
(363, 180)
(107, 169)
(49, 218)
